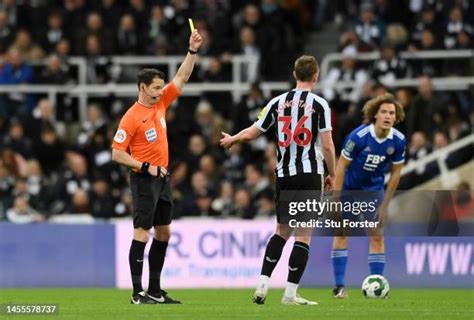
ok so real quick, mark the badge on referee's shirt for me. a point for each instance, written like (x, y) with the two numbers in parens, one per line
(150, 135)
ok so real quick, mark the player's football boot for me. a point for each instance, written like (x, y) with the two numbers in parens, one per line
(339, 292)
(163, 298)
(142, 298)
(298, 300)
(260, 293)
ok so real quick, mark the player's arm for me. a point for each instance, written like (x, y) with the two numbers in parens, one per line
(329, 157)
(341, 168)
(248, 134)
(186, 68)
(392, 183)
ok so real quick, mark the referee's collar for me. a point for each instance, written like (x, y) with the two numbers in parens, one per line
(374, 135)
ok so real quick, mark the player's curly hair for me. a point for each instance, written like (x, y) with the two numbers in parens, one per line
(372, 106)
(306, 67)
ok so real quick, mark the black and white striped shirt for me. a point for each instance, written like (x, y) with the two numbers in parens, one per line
(300, 115)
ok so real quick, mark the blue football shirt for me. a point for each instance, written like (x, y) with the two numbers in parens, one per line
(371, 157)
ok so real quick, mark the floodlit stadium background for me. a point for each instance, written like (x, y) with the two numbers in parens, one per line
(68, 75)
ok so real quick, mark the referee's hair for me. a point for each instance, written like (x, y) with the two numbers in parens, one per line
(305, 68)
(372, 106)
(147, 76)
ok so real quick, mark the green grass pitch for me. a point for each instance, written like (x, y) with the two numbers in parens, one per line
(114, 304)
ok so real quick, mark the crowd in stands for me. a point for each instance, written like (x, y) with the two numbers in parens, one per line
(52, 164)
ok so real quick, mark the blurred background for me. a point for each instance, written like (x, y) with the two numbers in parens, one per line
(68, 73)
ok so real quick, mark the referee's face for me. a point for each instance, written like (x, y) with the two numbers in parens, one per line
(154, 91)
(386, 116)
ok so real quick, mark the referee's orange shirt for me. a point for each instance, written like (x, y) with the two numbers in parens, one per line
(142, 130)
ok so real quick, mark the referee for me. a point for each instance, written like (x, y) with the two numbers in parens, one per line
(301, 121)
(141, 144)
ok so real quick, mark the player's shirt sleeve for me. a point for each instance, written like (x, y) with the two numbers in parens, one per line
(125, 132)
(324, 116)
(399, 154)
(266, 118)
(170, 93)
(352, 146)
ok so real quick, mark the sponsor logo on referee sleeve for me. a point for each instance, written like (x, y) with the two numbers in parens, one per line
(120, 136)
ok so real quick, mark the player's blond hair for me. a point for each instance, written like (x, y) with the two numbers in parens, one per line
(372, 106)
(306, 67)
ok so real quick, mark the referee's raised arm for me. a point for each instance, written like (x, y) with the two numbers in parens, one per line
(186, 68)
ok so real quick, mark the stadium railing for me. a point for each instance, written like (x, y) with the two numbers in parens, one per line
(332, 58)
(439, 156)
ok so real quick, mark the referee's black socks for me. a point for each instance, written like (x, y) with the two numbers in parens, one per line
(272, 254)
(297, 262)
(135, 258)
(156, 259)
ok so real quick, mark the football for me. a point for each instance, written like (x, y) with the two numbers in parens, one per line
(375, 286)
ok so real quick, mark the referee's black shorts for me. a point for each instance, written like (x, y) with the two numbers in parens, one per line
(298, 182)
(152, 200)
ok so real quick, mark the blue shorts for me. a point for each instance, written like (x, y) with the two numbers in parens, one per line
(361, 205)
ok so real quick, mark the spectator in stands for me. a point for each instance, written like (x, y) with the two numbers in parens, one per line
(140, 12)
(96, 64)
(11, 10)
(199, 189)
(95, 122)
(224, 203)
(129, 41)
(218, 72)
(15, 71)
(369, 27)
(256, 183)
(16, 139)
(454, 26)
(207, 165)
(234, 165)
(249, 108)
(7, 33)
(96, 28)
(79, 203)
(63, 49)
(427, 22)
(37, 185)
(243, 207)
(389, 67)
(247, 46)
(27, 48)
(42, 115)
(266, 205)
(429, 67)
(101, 200)
(158, 33)
(397, 36)
(417, 149)
(53, 32)
(124, 206)
(110, 11)
(21, 212)
(7, 185)
(340, 98)
(196, 149)
(54, 73)
(427, 112)
(49, 150)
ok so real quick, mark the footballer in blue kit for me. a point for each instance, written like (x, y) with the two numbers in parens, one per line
(370, 151)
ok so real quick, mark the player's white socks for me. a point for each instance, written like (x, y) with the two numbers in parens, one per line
(263, 284)
(290, 290)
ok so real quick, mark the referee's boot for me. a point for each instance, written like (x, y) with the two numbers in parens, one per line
(142, 298)
(162, 297)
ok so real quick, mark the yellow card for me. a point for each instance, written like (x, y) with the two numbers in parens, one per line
(191, 25)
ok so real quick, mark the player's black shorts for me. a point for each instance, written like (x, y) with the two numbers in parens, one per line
(152, 200)
(302, 181)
